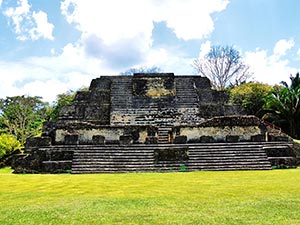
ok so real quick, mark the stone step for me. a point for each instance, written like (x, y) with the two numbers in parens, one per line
(142, 147)
(209, 156)
(107, 164)
(110, 170)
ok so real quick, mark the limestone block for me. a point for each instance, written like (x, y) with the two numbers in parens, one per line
(178, 155)
(38, 142)
(71, 139)
(180, 139)
(206, 139)
(57, 155)
(100, 96)
(258, 138)
(98, 139)
(102, 83)
(232, 138)
(151, 140)
(100, 113)
(82, 96)
(126, 139)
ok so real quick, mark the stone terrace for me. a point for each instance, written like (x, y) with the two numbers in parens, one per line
(152, 122)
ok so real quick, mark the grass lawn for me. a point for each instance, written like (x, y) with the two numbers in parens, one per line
(243, 197)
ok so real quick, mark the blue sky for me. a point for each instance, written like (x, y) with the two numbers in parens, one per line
(51, 46)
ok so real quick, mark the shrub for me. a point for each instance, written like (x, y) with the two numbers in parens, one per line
(8, 144)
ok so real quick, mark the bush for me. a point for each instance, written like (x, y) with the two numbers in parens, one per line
(8, 144)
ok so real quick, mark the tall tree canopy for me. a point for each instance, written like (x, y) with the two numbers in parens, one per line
(22, 116)
(223, 66)
(61, 100)
(251, 96)
(285, 104)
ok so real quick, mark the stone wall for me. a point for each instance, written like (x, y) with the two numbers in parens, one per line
(154, 85)
(85, 134)
(92, 105)
(222, 128)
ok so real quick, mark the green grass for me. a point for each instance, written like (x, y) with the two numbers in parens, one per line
(243, 197)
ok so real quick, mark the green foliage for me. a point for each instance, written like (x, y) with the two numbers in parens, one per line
(251, 96)
(284, 104)
(22, 116)
(232, 197)
(62, 100)
(8, 144)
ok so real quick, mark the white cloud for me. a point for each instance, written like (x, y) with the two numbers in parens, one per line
(43, 28)
(115, 35)
(169, 61)
(0, 3)
(273, 68)
(117, 19)
(282, 46)
(29, 25)
(121, 31)
(204, 49)
(49, 76)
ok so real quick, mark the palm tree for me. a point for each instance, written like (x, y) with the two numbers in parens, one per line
(285, 103)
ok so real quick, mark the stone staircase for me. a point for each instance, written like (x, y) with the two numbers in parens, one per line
(121, 100)
(163, 134)
(186, 95)
(187, 101)
(145, 158)
(228, 156)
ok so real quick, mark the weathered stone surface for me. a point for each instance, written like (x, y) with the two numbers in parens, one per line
(231, 121)
(232, 138)
(56, 155)
(98, 139)
(180, 139)
(71, 139)
(102, 83)
(37, 142)
(83, 96)
(258, 138)
(278, 138)
(206, 139)
(151, 140)
(57, 166)
(126, 139)
(112, 142)
(171, 155)
(154, 85)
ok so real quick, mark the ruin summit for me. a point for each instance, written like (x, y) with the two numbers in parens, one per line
(153, 122)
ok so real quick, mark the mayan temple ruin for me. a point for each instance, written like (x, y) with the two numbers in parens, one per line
(153, 122)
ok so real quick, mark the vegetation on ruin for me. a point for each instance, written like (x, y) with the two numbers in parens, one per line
(251, 96)
(242, 197)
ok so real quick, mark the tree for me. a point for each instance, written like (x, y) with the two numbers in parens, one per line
(223, 66)
(22, 116)
(8, 144)
(251, 96)
(63, 99)
(142, 69)
(284, 103)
